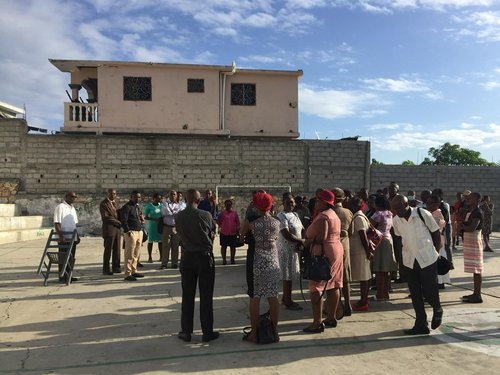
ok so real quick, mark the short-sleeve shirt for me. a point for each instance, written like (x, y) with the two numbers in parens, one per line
(65, 214)
(475, 214)
(291, 222)
(384, 221)
(417, 239)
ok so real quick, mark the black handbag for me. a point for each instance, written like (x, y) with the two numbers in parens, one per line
(316, 267)
(265, 331)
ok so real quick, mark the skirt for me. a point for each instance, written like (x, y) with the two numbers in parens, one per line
(228, 240)
(473, 252)
(383, 258)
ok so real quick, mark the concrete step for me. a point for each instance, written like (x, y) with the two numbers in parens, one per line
(23, 222)
(7, 209)
(10, 236)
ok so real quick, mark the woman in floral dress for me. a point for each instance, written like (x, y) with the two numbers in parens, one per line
(266, 269)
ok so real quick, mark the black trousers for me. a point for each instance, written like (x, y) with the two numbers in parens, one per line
(447, 242)
(112, 250)
(197, 268)
(71, 263)
(397, 244)
(422, 282)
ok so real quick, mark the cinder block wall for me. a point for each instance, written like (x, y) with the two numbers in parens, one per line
(451, 179)
(88, 164)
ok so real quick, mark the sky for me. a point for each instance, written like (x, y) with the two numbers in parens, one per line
(405, 75)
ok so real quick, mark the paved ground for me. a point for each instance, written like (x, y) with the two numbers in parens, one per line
(104, 325)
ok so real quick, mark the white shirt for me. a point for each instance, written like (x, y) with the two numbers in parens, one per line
(65, 214)
(168, 211)
(417, 240)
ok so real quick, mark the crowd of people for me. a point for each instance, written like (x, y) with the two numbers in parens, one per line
(414, 235)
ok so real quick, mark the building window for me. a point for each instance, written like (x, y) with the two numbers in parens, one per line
(196, 85)
(137, 88)
(243, 94)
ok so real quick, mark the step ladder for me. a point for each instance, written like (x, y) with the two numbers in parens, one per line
(51, 256)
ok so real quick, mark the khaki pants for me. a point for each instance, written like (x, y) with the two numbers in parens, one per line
(133, 242)
(170, 241)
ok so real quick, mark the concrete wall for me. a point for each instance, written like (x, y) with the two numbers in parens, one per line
(46, 166)
(49, 165)
(451, 179)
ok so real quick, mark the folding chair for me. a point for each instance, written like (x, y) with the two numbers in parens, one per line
(51, 257)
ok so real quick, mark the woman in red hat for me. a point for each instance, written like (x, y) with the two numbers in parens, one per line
(324, 232)
(266, 269)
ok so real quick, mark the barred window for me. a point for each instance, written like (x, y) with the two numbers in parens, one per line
(243, 94)
(137, 88)
(195, 85)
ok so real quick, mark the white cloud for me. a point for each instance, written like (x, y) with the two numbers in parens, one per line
(491, 85)
(332, 104)
(396, 85)
(476, 137)
(405, 127)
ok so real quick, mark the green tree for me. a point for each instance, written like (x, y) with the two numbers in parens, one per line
(448, 154)
(376, 162)
(407, 162)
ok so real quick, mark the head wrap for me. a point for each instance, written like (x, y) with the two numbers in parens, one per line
(263, 201)
(326, 196)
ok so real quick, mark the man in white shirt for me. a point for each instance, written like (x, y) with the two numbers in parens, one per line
(65, 220)
(169, 236)
(421, 238)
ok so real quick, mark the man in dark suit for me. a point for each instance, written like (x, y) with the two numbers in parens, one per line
(111, 233)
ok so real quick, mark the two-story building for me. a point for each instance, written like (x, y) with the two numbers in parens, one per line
(158, 98)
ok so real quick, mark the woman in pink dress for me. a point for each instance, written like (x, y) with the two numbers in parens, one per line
(324, 232)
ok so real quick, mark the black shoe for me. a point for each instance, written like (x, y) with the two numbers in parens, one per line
(117, 270)
(417, 331)
(140, 265)
(137, 275)
(441, 286)
(174, 266)
(130, 278)
(162, 267)
(399, 281)
(210, 336)
(437, 317)
(330, 323)
(107, 273)
(489, 250)
(318, 329)
(184, 336)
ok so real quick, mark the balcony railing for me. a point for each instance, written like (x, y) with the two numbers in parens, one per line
(84, 114)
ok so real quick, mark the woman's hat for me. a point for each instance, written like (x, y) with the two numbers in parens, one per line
(263, 201)
(326, 196)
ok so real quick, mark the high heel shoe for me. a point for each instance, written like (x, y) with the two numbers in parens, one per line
(318, 329)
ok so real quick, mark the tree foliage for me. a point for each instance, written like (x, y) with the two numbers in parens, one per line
(376, 162)
(448, 154)
(407, 162)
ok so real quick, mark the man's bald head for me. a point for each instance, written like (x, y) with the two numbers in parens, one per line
(193, 196)
(399, 205)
